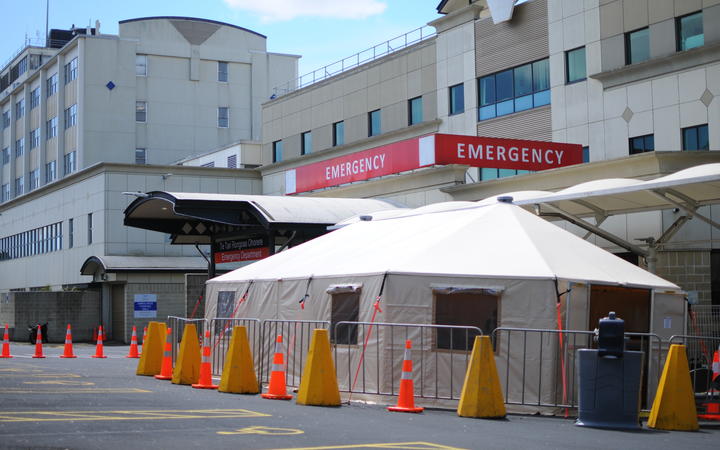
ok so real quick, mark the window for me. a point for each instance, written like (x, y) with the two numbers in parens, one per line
(208, 164)
(6, 119)
(513, 90)
(465, 309)
(277, 148)
(141, 65)
(140, 111)
(22, 66)
(34, 179)
(457, 99)
(489, 173)
(306, 143)
(232, 162)
(32, 242)
(19, 147)
(19, 185)
(637, 46)
(140, 156)
(345, 308)
(90, 228)
(71, 116)
(20, 109)
(50, 171)
(5, 155)
(374, 127)
(223, 116)
(695, 138)
(586, 154)
(575, 65)
(52, 85)
(34, 138)
(641, 144)
(6, 192)
(51, 127)
(71, 70)
(338, 133)
(222, 71)
(415, 111)
(71, 233)
(689, 31)
(35, 98)
(70, 163)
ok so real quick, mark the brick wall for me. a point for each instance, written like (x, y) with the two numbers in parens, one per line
(688, 269)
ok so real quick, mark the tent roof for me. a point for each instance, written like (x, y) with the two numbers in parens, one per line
(493, 241)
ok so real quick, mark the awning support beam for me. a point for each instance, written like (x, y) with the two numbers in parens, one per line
(692, 209)
(594, 229)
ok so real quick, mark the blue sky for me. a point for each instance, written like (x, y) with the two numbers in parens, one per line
(322, 31)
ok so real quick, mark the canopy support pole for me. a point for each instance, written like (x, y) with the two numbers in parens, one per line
(691, 209)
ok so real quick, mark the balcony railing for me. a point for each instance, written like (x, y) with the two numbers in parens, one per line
(365, 56)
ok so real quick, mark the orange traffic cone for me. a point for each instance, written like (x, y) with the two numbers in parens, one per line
(166, 370)
(6, 344)
(205, 381)
(406, 396)
(99, 348)
(712, 409)
(277, 389)
(68, 353)
(143, 339)
(133, 352)
(38, 344)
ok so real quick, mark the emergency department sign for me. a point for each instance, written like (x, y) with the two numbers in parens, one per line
(434, 149)
(145, 306)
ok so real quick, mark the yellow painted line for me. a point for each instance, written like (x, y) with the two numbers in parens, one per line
(61, 382)
(73, 391)
(56, 416)
(264, 430)
(393, 445)
(41, 375)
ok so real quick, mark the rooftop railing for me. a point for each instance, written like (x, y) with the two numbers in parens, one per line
(365, 56)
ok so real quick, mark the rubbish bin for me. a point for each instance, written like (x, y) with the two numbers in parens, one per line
(609, 380)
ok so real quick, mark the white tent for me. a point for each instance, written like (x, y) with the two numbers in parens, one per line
(525, 263)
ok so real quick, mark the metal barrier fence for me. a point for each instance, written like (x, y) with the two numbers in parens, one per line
(221, 330)
(177, 325)
(701, 371)
(368, 357)
(296, 341)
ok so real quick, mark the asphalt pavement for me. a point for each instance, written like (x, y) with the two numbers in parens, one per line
(88, 403)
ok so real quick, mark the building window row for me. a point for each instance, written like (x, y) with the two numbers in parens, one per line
(71, 70)
(688, 31)
(513, 90)
(32, 242)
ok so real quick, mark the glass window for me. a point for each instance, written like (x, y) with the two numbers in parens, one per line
(50, 171)
(90, 228)
(19, 147)
(35, 98)
(641, 144)
(689, 31)
(586, 154)
(71, 70)
(232, 162)
(504, 85)
(223, 117)
(345, 307)
(20, 109)
(695, 138)
(415, 111)
(34, 138)
(34, 179)
(457, 99)
(71, 232)
(541, 75)
(6, 155)
(6, 119)
(140, 155)
(19, 185)
(277, 151)
(51, 128)
(338, 133)
(513, 90)
(52, 85)
(70, 164)
(71, 116)
(374, 123)
(523, 80)
(141, 65)
(575, 65)
(6, 192)
(140, 111)
(222, 71)
(487, 90)
(306, 143)
(477, 310)
(637, 46)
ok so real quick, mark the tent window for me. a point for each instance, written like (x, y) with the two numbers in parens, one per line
(475, 310)
(345, 308)
(225, 304)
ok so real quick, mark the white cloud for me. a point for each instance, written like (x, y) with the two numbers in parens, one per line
(281, 10)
